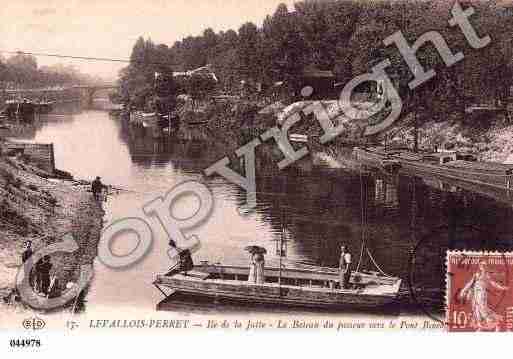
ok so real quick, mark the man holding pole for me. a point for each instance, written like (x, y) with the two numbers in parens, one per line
(344, 267)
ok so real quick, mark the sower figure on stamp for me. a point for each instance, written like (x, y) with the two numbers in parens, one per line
(344, 267)
(476, 290)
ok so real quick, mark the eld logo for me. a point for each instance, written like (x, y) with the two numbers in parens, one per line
(33, 323)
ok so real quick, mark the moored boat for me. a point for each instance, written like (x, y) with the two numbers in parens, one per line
(452, 165)
(315, 287)
(144, 119)
(22, 109)
(44, 106)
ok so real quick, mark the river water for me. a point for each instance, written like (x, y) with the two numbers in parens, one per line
(315, 206)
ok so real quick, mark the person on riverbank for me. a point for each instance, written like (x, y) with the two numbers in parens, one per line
(25, 257)
(97, 187)
(43, 268)
(344, 267)
(27, 253)
(54, 290)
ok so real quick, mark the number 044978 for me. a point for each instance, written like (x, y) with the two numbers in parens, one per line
(25, 343)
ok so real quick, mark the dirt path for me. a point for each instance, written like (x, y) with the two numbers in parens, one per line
(42, 211)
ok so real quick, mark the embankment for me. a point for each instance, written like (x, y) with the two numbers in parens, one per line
(491, 141)
(42, 210)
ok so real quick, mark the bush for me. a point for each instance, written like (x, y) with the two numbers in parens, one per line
(52, 201)
(7, 176)
(32, 187)
(16, 183)
(11, 162)
(10, 215)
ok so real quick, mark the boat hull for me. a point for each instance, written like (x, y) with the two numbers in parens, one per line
(284, 295)
(201, 284)
(470, 174)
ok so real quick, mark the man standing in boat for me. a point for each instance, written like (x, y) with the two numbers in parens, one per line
(344, 267)
(185, 262)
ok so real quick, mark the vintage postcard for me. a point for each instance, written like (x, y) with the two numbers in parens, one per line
(331, 165)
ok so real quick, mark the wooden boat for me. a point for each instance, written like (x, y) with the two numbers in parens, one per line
(452, 165)
(144, 119)
(306, 287)
(44, 106)
(22, 109)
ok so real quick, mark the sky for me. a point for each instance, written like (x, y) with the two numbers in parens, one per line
(109, 28)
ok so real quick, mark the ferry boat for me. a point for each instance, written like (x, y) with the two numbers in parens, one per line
(314, 287)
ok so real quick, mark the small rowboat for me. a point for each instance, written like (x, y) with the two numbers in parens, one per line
(144, 119)
(315, 287)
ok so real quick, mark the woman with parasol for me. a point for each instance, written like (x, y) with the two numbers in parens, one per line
(256, 264)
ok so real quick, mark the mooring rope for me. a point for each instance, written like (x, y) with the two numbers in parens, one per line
(364, 226)
(362, 220)
(376, 264)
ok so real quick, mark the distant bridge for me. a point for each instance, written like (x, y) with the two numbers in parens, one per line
(88, 91)
(85, 92)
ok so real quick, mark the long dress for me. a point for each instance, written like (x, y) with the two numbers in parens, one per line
(476, 291)
(252, 269)
(256, 269)
(259, 268)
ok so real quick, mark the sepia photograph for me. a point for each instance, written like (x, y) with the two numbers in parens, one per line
(173, 166)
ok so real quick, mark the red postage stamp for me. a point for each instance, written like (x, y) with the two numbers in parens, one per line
(479, 291)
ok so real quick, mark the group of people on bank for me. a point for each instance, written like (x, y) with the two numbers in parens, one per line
(42, 279)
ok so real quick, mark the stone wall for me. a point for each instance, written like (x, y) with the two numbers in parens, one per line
(39, 153)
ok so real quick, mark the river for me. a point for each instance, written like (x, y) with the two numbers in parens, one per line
(316, 206)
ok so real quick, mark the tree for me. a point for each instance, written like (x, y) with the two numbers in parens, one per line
(199, 87)
(247, 51)
(346, 37)
(149, 76)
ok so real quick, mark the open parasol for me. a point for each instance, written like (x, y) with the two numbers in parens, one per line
(255, 249)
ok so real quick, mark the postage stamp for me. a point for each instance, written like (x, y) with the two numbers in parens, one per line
(479, 296)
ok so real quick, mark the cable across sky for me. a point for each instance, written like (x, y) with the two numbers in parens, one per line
(65, 56)
(87, 58)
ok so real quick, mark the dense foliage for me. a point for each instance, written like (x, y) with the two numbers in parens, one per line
(347, 38)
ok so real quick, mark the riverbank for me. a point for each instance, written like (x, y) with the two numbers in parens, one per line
(42, 210)
(490, 142)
